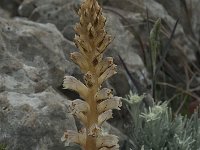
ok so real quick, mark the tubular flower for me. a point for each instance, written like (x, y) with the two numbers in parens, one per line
(107, 74)
(73, 84)
(103, 94)
(107, 141)
(104, 116)
(75, 137)
(79, 106)
(80, 60)
(112, 103)
(96, 107)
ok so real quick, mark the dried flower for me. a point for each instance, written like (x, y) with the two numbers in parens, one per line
(104, 116)
(97, 104)
(73, 84)
(75, 137)
(112, 103)
(107, 141)
(107, 74)
(103, 94)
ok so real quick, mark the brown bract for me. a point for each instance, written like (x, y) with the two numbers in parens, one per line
(96, 107)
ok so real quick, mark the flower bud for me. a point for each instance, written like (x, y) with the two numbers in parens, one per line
(107, 74)
(104, 43)
(91, 31)
(89, 79)
(80, 60)
(104, 65)
(81, 45)
(101, 22)
(78, 29)
(100, 37)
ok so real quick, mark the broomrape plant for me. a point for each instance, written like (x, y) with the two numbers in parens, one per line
(97, 104)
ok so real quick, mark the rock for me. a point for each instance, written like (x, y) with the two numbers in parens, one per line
(27, 7)
(124, 44)
(4, 13)
(34, 121)
(181, 37)
(157, 10)
(187, 12)
(60, 13)
(140, 6)
(34, 51)
(195, 20)
(33, 114)
(128, 5)
(173, 8)
(182, 41)
(10, 5)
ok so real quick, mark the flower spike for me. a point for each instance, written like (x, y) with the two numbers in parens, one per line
(96, 107)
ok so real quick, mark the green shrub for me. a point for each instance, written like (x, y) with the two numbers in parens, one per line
(2, 147)
(155, 128)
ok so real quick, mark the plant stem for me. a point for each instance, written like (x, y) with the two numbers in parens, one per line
(93, 114)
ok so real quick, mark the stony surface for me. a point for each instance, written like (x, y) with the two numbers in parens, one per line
(4, 13)
(161, 9)
(195, 20)
(33, 113)
(11, 6)
(60, 13)
(34, 121)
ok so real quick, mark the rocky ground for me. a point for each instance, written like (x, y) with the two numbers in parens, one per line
(36, 37)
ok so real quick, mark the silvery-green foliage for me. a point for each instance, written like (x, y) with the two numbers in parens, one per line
(2, 147)
(156, 128)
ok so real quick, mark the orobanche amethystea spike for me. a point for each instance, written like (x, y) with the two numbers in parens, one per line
(97, 103)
